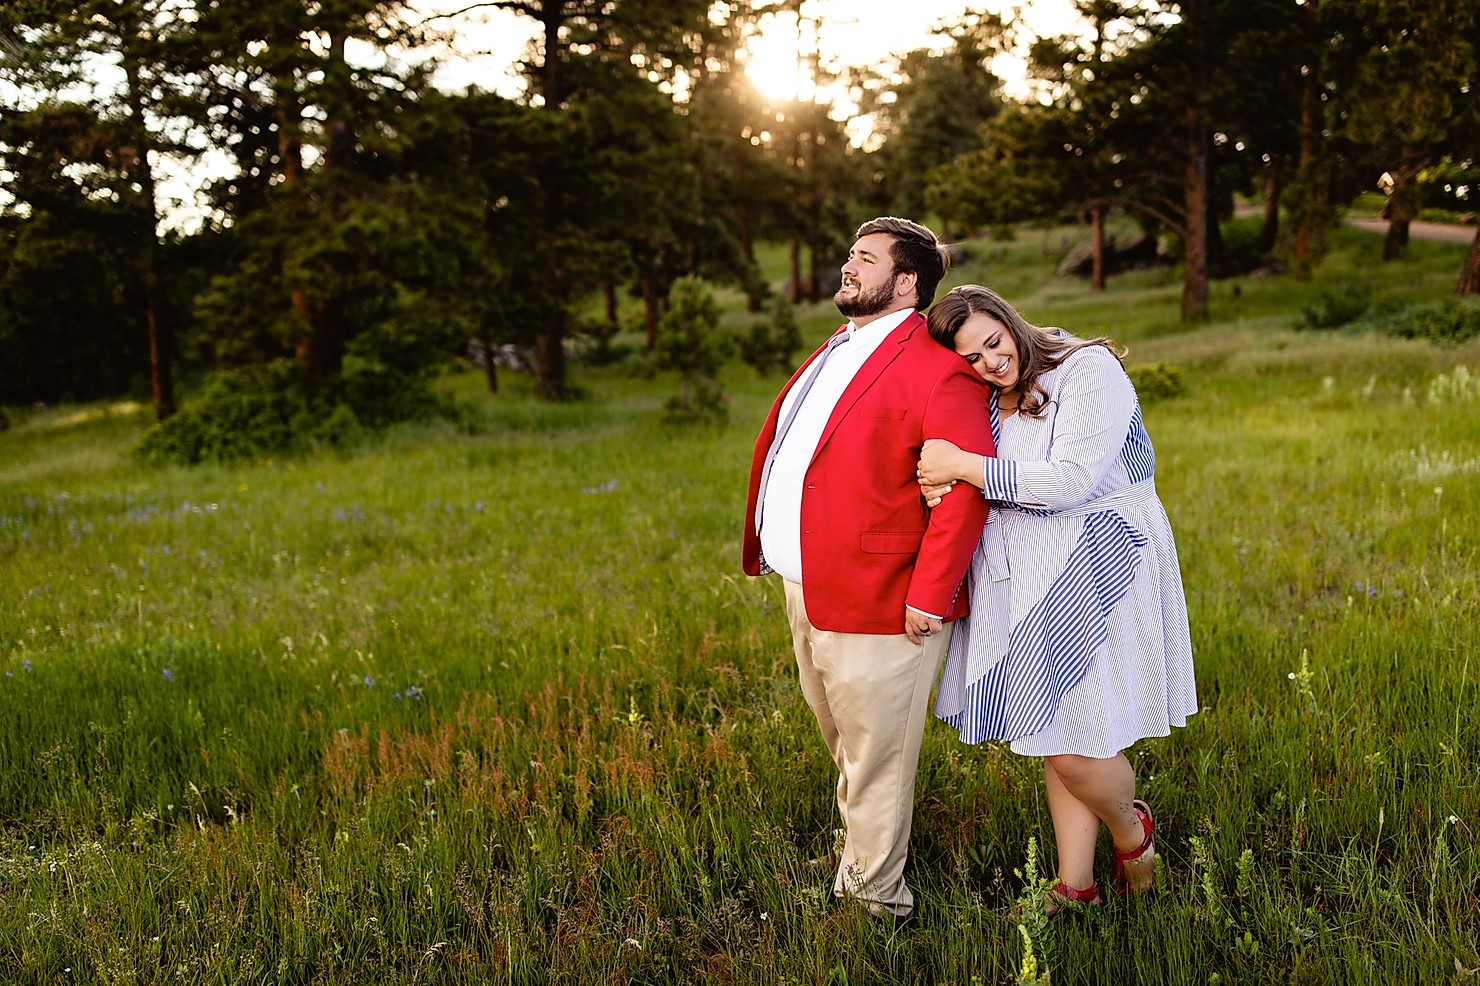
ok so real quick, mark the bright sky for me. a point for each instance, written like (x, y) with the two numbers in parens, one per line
(870, 32)
(853, 33)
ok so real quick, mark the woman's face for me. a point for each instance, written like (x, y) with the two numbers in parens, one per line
(989, 348)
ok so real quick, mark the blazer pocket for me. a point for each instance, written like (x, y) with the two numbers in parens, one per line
(890, 542)
(892, 413)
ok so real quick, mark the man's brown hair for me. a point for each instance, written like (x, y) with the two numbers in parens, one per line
(914, 249)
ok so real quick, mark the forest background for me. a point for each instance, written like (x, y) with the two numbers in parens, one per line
(368, 228)
(398, 636)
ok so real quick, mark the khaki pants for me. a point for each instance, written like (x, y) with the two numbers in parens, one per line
(870, 694)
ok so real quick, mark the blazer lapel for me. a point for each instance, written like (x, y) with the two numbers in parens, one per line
(889, 350)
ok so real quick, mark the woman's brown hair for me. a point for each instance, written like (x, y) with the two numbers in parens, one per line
(1039, 349)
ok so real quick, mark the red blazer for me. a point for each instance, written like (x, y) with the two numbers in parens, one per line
(870, 546)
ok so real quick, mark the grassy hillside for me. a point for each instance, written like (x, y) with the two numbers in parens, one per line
(493, 703)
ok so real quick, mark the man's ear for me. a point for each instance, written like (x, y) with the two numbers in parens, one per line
(904, 287)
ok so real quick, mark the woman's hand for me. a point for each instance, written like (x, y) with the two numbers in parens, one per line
(940, 463)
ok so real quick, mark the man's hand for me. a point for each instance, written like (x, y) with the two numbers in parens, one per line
(934, 494)
(917, 625)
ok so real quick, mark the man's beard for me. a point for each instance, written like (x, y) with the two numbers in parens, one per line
(866, 302)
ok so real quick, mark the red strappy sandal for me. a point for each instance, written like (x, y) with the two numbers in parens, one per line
(1063, 895)
(1145, 852)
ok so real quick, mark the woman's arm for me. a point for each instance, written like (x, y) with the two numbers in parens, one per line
(942, 463)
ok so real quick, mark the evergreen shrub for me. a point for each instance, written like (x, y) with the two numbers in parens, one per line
(1338, 305)
(595, 340)
(1243, 250)
(1452, 321)
(689, 341)
(1153, 381)
(265, 410)
(770, 342)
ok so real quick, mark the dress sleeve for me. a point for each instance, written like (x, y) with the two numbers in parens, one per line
(1096, 402)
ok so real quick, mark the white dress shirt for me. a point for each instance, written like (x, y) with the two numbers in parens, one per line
(780, 526)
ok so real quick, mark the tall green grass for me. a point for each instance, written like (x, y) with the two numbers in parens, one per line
(492, 703)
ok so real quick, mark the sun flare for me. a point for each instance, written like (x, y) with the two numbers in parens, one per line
(771, 64)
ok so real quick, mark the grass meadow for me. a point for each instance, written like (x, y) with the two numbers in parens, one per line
(492, 703)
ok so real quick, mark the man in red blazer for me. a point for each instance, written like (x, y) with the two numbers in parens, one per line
(872, 577)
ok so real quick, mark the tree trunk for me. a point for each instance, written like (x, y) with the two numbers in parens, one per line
(816, 237)
(746, 234)
(289, 115)
(794, 270)
(753, 288)
(814, 275)
(320, 349)
(1269, 230)
(339, 128)
(1469, 276)
(1097, 248)
(650, 309)
(1217, 251)
(490, 371)
(609, 299)
(1195, 243)
(324, 358)
(1195, 239)
(747, 250)
(1402, 203)
(552, 18)
(549, 364)
(1395, 240)
(328, 337)
(549, 368)
(161, 370)
(161, 375)
(309, 350)
(1310, 113)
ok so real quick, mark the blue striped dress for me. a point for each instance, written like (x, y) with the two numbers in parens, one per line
(1077, 640)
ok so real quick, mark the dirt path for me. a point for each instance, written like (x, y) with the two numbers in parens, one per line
(1419, 230)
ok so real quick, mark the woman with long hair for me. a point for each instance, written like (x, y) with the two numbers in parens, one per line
(1077, 644)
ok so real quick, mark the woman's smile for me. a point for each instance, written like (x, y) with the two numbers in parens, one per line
(990, 349)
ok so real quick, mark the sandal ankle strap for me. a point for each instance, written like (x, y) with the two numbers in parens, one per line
(1148, 826)
(1089, 895)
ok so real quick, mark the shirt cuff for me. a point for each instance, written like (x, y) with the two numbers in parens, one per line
(999, 479)
(933, 616)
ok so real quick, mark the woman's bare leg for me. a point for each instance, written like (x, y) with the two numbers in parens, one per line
(1082, 792)
(1075, 828)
